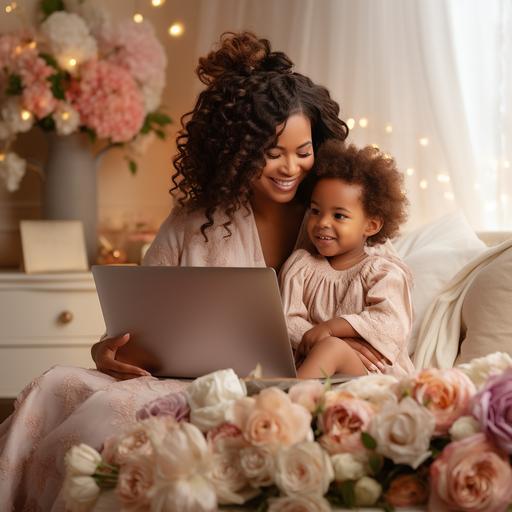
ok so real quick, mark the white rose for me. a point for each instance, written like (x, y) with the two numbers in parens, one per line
(347, 467)
(463, 427)
(257, 462)
(377, 389)
(299, 503)
(12, 170)
(229, 480)
(80, 493)
(67, 119)
(403, 432)
(367, 491)
(303, 468)
(82, 460)
(211, 396)
(480, 369)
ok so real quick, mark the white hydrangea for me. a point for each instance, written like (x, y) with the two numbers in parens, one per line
(12, 170)
(69, 38)
(67, 119)
(141, 143)
(480, 369)
(95, 14)
(152, 93)
(13, 119)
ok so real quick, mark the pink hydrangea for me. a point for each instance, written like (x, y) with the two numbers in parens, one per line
(134, 47)
(108, 100)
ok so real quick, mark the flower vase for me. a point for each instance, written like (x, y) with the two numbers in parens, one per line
(70, 190)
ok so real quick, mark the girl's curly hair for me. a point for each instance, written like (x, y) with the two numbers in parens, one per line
(381, 182)
(221, 146)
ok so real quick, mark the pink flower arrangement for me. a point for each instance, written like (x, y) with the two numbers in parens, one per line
(68, 74)
(308, 449)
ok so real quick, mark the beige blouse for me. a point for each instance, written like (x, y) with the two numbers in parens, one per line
(373, 296)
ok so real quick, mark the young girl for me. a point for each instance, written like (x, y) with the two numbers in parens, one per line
(340, 290)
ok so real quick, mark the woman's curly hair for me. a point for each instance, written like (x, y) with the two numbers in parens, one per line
(378, 176)
(221, 146)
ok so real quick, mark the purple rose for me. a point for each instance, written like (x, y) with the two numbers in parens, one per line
(173, 404)
(492, 407)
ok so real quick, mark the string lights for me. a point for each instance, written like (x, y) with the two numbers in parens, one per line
(176, 29)
(138, 18)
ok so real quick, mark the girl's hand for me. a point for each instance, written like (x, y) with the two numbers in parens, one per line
(372, 359)
(104, 355)
(315, 334)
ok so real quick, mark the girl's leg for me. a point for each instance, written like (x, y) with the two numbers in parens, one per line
(329, 356)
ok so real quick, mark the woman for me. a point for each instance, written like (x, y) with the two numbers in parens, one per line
(244, 154)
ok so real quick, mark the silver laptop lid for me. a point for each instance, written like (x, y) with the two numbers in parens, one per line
(189, 321)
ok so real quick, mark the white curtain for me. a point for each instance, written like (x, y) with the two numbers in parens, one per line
(431, 78)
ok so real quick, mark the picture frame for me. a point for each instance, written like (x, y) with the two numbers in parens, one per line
(53, 246)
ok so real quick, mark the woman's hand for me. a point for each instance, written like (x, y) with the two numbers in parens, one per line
(372, 359)
(315, 334)
(104, 355)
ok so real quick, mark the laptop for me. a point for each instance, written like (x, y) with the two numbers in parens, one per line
(189, 321)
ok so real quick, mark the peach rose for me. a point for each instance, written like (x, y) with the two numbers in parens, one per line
(271, 419)
(299, 503)
(258, 464)
(446, 393)
(471, 475)
(342, 422)
(406, 491)
(134, 481)
(303, 469)
(309, 394)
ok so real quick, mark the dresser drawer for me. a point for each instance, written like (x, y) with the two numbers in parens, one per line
(51, 312)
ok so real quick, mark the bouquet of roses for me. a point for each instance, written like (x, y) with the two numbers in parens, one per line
(441, 437)
(79, 72)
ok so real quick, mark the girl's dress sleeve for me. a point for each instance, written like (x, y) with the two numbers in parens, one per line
(292, 292)
(386, 319)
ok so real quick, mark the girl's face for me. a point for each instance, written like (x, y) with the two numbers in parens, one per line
(288, 163)
(337, 224)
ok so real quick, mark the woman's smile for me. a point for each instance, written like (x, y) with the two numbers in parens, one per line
(285, 185)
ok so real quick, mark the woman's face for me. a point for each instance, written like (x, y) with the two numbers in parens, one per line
(288, 163)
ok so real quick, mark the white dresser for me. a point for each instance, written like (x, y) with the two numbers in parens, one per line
(45, 320)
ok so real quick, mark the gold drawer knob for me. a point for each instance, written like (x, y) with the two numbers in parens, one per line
(65, 317)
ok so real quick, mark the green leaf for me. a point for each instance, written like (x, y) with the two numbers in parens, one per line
(90, 133)
(160, 134)
(160, 118)
(368, 441)
(132, 165)
(347, 493)
(49, 59)
(14, 85)
(50, 6)
(47, 124)
(57, 86)
(376, 462)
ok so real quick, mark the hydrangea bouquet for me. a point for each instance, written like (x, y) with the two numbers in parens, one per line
(441, 437)
(79, 72)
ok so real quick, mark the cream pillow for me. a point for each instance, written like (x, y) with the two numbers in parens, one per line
(435, 253)
(487, 311)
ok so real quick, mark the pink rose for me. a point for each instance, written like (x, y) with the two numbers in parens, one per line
(225, 436)
(471, 475)
(342, 422)
(173, 404)
(134, 481)
(271, 419)
(445, 393)
(309, 394)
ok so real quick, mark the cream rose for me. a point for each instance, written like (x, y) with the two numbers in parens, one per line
(211, 396)
(378, 389)
(465, 426)
(403, 432)
(82, 460)
(347, 467)
(309, 394)
(80, 493)
(480, 369)
(299, 503)
(367, 491)
(342, 422)
(303, 469)
(258, 465)
(134, 482)
(271, 419)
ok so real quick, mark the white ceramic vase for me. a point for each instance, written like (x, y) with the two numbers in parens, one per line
(70, 185)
